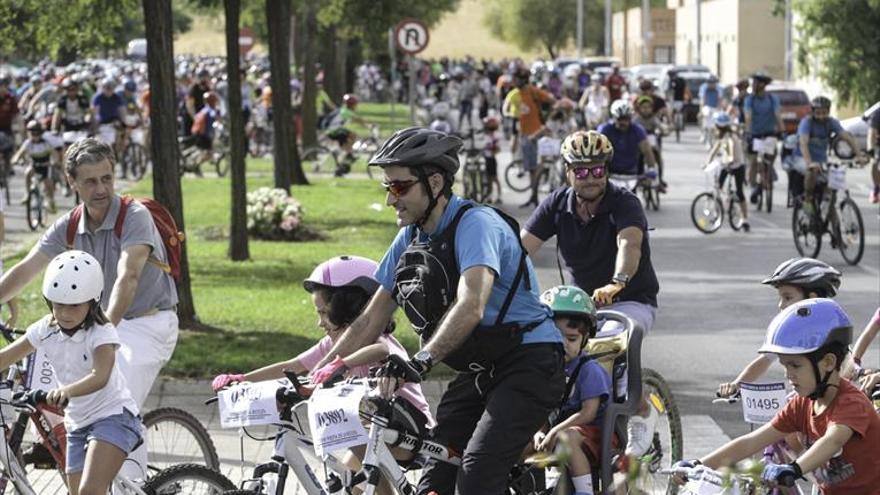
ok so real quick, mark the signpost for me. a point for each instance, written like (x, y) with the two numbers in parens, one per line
(245, 40)
(411, 37)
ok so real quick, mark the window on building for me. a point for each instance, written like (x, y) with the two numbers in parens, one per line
(664, 54)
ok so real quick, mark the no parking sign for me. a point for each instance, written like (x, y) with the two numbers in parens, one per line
(411, 36)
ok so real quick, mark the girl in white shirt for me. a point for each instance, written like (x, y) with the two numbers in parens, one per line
(100, 416)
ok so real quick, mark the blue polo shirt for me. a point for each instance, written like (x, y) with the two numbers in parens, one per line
(626, 147)
(591, 382)
(763, 110)
(820, 136)
(107, 107)
(589, 249)
(710, 96)
(485, 239)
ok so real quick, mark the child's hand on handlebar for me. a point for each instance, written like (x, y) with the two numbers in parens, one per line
(224, 380)
(58, 397)
(726, 390)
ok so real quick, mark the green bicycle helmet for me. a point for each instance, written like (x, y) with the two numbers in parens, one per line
(567, 300)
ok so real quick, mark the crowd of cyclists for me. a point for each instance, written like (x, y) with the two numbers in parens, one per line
(460, 271)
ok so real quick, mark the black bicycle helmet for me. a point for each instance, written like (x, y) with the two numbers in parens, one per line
(762, 77)
(820, 102)
(416, 147)
(808, 273)
(34, 126)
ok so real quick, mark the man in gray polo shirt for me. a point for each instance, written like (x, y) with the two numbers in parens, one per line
(142, 298)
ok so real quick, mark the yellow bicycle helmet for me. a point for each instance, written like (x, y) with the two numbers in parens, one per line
(586, 147)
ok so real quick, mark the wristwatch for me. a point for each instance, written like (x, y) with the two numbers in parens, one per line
(424, 360)
(620, 278)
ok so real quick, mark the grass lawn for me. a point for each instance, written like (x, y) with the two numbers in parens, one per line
(260, 305)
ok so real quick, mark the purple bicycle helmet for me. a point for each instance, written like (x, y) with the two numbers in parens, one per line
(807, 328)
(344, 271)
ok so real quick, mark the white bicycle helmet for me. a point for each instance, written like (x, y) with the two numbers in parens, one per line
(73, 277)
(621, 109)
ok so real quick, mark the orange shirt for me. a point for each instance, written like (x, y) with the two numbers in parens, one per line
(530, 109)
(856, 469)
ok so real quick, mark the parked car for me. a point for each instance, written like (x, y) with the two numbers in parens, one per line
(858, 126)
(794, 102)
(652, 72)
(593, 63)
(694, 80)
(137, 49)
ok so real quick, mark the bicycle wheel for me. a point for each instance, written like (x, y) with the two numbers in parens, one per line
(174, 436)
(221, 163)
(17, 474)
(768, 187)
(517, 177)
(851, 231)
(188, 479)
(34, 208)
(707, 213)
(734, 214)
(134, 160)
(807, 240)
(666, 448)
(323, 161)
(651, 198)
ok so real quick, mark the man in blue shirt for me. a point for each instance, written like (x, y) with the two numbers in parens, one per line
(463, 279)
(710, 101)
(763, 119)
(629, 141)
(814, 137)
(602, 236)
(108, 107)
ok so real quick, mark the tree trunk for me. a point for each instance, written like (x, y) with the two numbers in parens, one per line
(309, 112)
(328, 63)
(285, 154)
(341, 58)
(238, 236)
(163, 131)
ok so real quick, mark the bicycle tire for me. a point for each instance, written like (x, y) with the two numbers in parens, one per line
(710, 210)
(180, 479)
(803, 232)
(768, 189)
(734, 215)
(241, 492)
(134, 158)
(856, 230)
(34, 208)
(516, 177)
(671, 442)
(19, 478)
(323, 160)
(221, 163)
(174, 436)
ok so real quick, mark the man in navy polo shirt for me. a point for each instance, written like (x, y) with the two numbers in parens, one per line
(601, 232)
(629, 140)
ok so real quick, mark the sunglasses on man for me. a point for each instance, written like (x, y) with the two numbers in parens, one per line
(582, 173)
(398, 188)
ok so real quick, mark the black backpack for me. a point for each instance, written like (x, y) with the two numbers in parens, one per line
(425, 287)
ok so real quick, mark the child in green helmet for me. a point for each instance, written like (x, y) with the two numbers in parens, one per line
(587, 391)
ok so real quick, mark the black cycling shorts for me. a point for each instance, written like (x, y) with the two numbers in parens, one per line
(41, 169)
(203, 142)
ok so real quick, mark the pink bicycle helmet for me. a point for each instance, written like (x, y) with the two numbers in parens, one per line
(344, 271)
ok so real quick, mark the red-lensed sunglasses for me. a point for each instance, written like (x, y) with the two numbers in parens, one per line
(399, 188)
(582, 173)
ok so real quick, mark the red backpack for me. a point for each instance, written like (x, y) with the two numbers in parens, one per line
(171, 237)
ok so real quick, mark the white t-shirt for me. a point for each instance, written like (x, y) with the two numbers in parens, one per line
(72, 358)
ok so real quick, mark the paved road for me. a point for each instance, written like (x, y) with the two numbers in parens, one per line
(713, 310)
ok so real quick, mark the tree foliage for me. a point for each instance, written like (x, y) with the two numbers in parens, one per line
(34, 28)
(840, 43)
(548, 24)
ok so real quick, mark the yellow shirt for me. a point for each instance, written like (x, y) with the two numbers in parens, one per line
(512, 102)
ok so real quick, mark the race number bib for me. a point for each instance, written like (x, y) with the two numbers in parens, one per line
(249, 404)
(41, 375)
(765, 145)
(704, 482)
(761, 401)
(548, 146)
(837, 178)
(334, 418)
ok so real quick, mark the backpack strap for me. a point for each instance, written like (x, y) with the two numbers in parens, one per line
(124, 203)
(569, 384)
(73, 224)
(520, 272)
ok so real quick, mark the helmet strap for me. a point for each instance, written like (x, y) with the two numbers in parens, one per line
(432, 199)
(821, 383)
